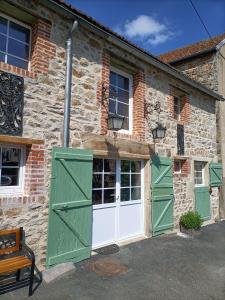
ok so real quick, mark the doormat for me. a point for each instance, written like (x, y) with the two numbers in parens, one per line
(111, 249)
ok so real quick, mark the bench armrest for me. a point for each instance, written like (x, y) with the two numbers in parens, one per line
(28, 251)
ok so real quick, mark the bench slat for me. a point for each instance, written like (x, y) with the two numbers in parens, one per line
(14, 263)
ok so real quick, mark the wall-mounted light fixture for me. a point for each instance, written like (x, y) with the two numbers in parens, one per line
(159, 131)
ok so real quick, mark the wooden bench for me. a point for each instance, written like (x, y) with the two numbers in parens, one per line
(15, 256)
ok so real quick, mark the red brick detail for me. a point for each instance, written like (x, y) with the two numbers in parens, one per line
(185, 168)
(16, 70)
(170, 104)
(34, 170)
(185, 113)
(185, 110)
(138, 105)
(103, 92)
(41, 49)
(34, 186)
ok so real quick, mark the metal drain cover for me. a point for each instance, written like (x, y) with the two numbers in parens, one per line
(108, 249)
(107, 267)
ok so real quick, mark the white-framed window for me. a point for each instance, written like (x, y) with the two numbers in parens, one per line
(11, 169)
(177, 166)
(15, 41)
(120, 97)
(199, 175)
(177, 108)
(104, 181)
(116, 180)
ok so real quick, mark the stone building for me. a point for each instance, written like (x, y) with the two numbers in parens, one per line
(109, 186)
(205, 62)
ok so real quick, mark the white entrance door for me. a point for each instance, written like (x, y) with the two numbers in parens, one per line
(117, 200)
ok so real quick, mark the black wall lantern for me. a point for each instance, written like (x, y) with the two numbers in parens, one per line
(115, 122)
(159, 132)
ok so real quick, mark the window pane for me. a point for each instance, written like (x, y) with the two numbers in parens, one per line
(17, 62)
(125, 179)
(19, 32)
(97, 181)
(125, 194)
(97, 197)
(10, 157)
(109, 180)
(112, 106)
(2, 57)
(123, 82)
(135, 166)
(135, 193)
(97, 165)
(109, 196)
(109, 165)
(18, 49)
(112, 93)
(123, 109)
(3, 25)
(113, 78)
(136, 179)
(123, 96)
(10, 177)
(125, 166)
(2, 43)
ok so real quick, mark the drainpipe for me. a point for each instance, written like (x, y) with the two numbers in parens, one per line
(67, 101)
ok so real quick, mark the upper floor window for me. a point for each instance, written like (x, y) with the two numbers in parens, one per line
(11, 169)
(120, 97)
(177, 108)
(14, 42)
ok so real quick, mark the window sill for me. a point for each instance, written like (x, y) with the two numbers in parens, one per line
(19, 140)
(17, 70)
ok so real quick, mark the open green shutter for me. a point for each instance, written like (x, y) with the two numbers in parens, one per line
(70, 208)
(162, 195)
(215, 174)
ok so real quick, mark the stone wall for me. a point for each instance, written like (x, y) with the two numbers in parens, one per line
(202, 69)
(43, 116)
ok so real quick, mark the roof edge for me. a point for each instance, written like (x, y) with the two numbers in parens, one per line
(133, 49)
(220, 44)
(193, 55)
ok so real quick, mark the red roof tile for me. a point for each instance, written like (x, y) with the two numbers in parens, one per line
(193, 49)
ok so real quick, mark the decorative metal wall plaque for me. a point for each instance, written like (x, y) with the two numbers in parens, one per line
(180, 139)
(11, 104)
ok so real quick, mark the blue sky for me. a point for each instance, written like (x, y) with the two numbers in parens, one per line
(157, 25)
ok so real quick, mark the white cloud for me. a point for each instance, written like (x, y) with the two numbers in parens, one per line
(146, 29)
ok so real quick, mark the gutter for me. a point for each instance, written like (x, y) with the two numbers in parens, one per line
(138, 52)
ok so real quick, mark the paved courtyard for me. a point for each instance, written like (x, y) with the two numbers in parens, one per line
(165, 267)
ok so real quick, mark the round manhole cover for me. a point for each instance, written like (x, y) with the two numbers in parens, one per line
(108, 267)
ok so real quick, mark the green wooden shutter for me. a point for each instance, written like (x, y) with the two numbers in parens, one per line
(215, 174)
(202, 202)
(162, 194)
(70, 210)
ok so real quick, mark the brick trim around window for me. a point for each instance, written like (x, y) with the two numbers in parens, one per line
(138, 105)
(103, 92)
(42, 50)
(185, 113)
(34, 187)
(185, 168)
(138, 130)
